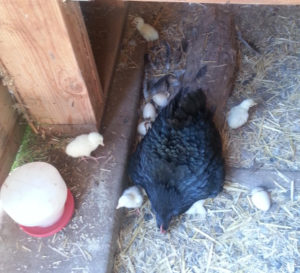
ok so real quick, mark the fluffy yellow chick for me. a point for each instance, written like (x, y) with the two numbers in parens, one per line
(132, 198)
(161, 99)
(261, 198)
(143, 127)
(238, 115)
(83, 145)
(197, 208)
(148, 32)
(149, 111)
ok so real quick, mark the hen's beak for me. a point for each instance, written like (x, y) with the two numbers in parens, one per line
(162, 230)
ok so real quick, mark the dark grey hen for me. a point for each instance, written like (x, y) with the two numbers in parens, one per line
(180, 160)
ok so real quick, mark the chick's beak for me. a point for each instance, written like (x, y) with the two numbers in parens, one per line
(162, 230)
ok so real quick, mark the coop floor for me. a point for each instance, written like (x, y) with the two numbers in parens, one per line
(233, 237)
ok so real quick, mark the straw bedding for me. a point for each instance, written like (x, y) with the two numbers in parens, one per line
(234, 236)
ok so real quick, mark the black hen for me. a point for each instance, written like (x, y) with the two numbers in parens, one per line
(180, 160)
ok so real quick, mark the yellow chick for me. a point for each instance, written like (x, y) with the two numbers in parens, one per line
(132, 198)
(148, 32)
(149, 111)
(238, 115)
(143, 127)
(161, 99)
(84, 144)
(197, 208)
(261, 198)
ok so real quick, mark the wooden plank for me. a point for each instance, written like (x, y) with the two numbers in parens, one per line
(242, 2)
(11, 132)
(105, 22)
(45, 48)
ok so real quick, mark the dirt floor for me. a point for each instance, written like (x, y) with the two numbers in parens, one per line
(234, 236)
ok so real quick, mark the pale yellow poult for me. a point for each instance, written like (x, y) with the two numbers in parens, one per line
(238, 115)
(261, 198)
(143, 127)
(161, 99)
(149, 111)
(132, 198)
(84, 144)
(148, 32)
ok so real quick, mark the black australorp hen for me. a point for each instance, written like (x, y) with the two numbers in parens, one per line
(180, 160)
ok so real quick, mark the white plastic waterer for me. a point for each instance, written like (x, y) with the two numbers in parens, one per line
(34, 195)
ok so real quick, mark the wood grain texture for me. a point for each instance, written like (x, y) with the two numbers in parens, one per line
(45, 48)
(242, 2)
(11, 133)
(105, 22)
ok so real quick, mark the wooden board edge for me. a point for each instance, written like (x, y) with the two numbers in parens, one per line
(117, 47)
(11, 149)
(84, 55)
(67, 130)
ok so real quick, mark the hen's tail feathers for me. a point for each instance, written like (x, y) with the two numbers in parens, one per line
(187, 103)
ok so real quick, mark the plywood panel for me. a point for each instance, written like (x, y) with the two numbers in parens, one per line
(11, 132)
(45, 49)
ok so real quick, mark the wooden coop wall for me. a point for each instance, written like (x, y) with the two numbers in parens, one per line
(46, 51)
(11, 132)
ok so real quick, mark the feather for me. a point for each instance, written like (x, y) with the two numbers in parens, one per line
(84, 144)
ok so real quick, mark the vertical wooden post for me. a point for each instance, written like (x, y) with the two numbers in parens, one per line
(45, 49)
(11, 133)
(105, 23)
